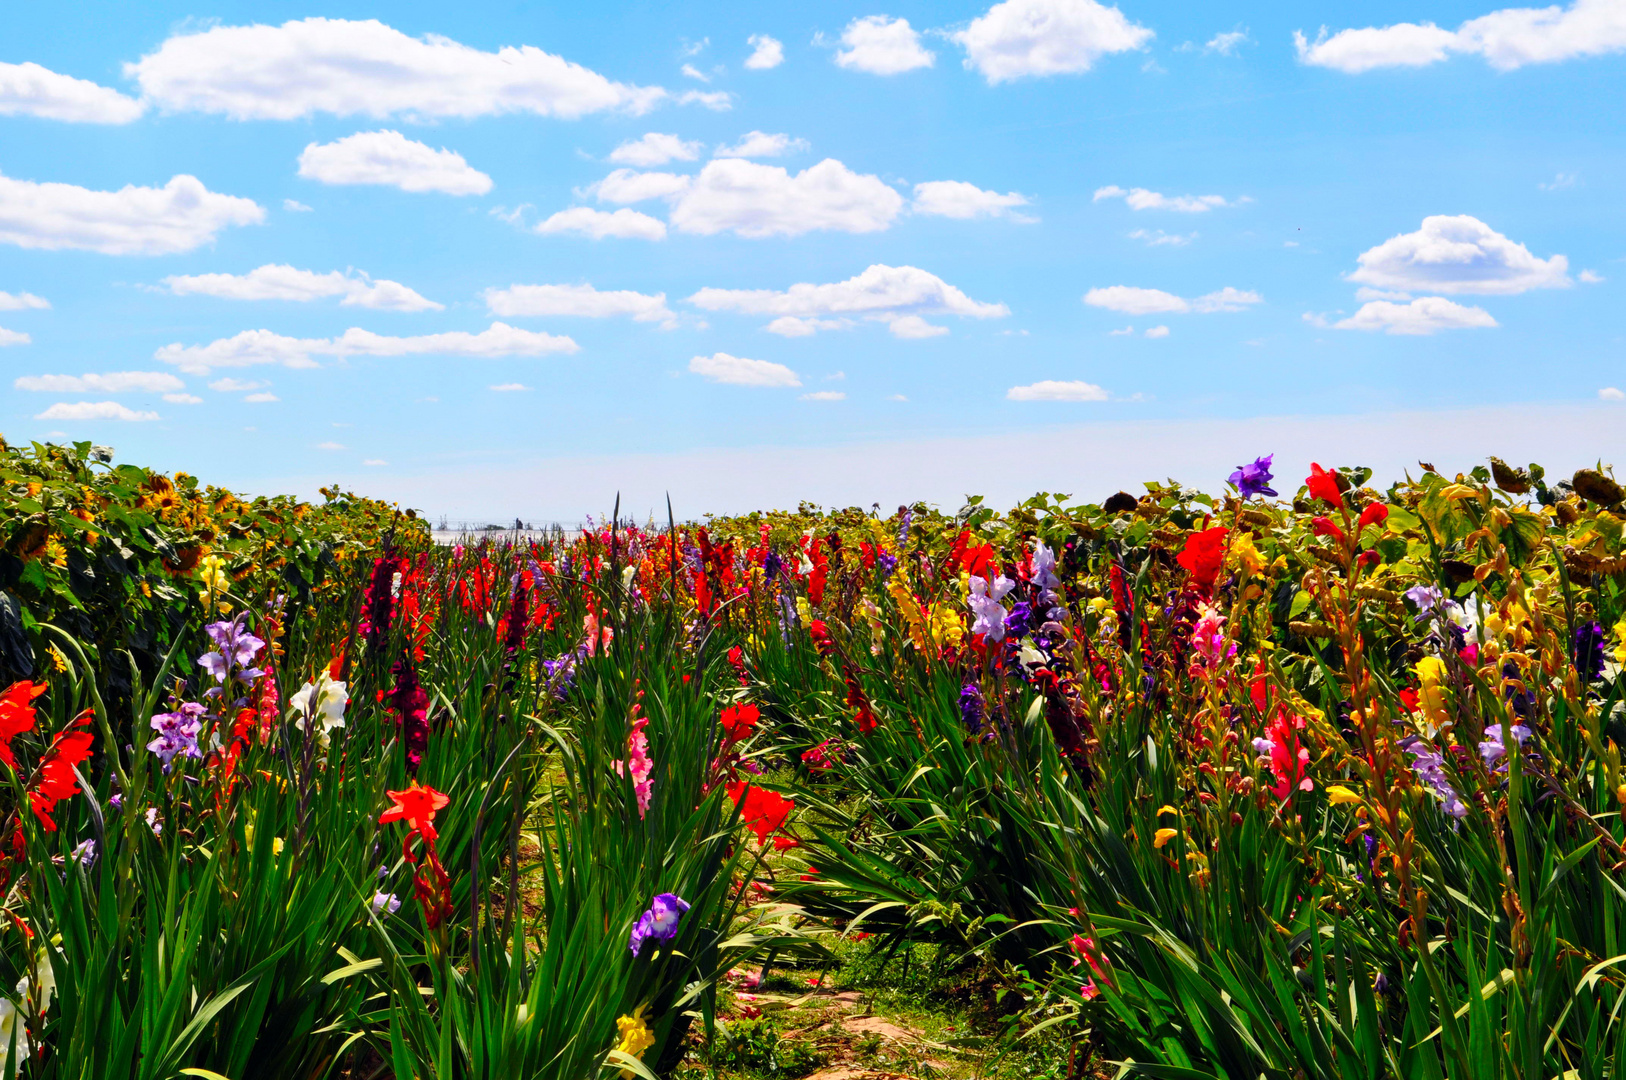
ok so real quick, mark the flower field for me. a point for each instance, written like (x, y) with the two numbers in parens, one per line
(1299, 778)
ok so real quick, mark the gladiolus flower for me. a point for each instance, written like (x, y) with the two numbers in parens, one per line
(763, 812)
(1254, 479)
(17, 715)
(1204, 554)
(417, 806)
(821, 637)
(56, 777)
(1375, 514)
(1324, 526)
(738, 722)
(1323, 485)
(1163, 836)
(1337, 794)
(1285, 757)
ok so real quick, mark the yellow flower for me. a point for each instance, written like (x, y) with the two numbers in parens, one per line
(635, 1037)
(1340, 794)
(1166, 810)
(1620, 639)
(946, 626)
(1163, 836)
(1620, 794)
(1245, 554)
(803, 611)
(1430, 694)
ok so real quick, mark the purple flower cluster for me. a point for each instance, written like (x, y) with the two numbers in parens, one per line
(1589, 651)
(1493, 750)
(1429, 765)
(178, 733)
(562, 672)
(236, 649)
(1254, 479)
(972, 707)
(905, 516)
(660, 922)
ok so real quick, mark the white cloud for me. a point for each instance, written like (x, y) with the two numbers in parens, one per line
(1366, 292)
(1132, 300)
(331, 446)
(891, 294)
(1142, 199)
(1612, 393)
(1458, 254)
(897, 397)
(1592, 277)
(1157, 332)
(390, 158)
(1425, 315)
(294, 206)
(13, 337)
(791, 326)
(1226, 44)
(654, 149)
(738, 371)
(252, 347)
(22, 301)
(1559, 183)
(1053, 390)
(756, 201)
(715, 100)
(766, 52)
(1507, 39)
(913, 327)
(350, 68)
(1023, 38)
(882, 46)
(261, 398)
(630, 186)
(236, 386)
(1159, 238)
(30, 90)
(275, 281)
(958, 199)
(758, 144)
(92, 410)
(622, 224)
(695, 73)
(823, 395)
(374, 462)
(113, 382)
(1125, 332)
(180, 216)
(183, 399)
(510, 388)
(520, 301)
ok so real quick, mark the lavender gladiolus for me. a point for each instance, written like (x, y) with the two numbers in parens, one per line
(1253, 479)
(660, 922)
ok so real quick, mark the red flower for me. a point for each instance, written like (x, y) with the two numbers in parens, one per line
(821, 637)
(1408, 698)
(1204, 554)
(763, 812)
(738, 721)
(785, 843)
(17, 715)
(1375, 514)
(56, 779)
(417, 806)
(1324, 526)
(815, 757)
(1323, 485)
(863, 715)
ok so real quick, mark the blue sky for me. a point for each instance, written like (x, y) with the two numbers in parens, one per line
(1137, 241)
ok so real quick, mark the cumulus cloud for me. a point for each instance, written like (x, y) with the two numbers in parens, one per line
(30, 90)
(275, 281)
(766, 52)
(1591, 277)
(1157, 332)
(365, 68)
(1612, 393)
(1159, 238)
(1142, 199)
(738, 371)
(1458, 254)
(1507, 39)
(112, 382)
(715, 100)
(1054, 390)
(510, 387)
(1425, 315)
(180, 216)
(622, 224)
(882, 46)
(236, 386)
(1029, 38)
(823, 395)
(21, 301)
(183, 399)
(261, 398)
(392, 159)
(93, 410)
(958, 199)
(1226, 43)
(695, 73)
(897, 295)
(654, 149)
(541, 301)
(756, 144)
(756, 201)
(253, 347)
(13, 337)
(1132, 300)
(630, 186)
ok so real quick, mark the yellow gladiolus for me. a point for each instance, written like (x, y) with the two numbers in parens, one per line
(1163, 836)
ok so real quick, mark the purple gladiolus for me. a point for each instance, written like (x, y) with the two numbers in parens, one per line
(178, 733)
(1254, 479)
(1429, 766)
(660, 922)
(972, 707)
(1589, 651)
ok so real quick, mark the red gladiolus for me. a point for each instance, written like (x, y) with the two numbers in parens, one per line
(738, 721)
(785, 843)
(56, 780)
(863, 715)
(1323, 485)
(1408, 698)
(417, 806)
(1324, 526)
(17, 715)
(821, 637)
(1368, 559)
(1375, 514)
(763, 812)
(1204, 554)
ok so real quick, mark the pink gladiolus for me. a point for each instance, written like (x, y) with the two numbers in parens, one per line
(1286, 758)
